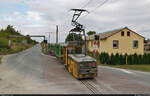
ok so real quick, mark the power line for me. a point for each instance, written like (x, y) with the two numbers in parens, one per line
(87, 3)
(100, 5)
(96, 8)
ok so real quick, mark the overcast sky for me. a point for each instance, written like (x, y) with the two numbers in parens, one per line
(41, 16)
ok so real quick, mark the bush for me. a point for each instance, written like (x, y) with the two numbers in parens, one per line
(121, 59)
(104, 58)
(4, 43)
(117, 59)
(112, 59)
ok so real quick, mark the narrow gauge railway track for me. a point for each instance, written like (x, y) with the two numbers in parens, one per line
(91, 86)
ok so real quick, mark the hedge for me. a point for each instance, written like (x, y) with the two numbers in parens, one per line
(124, 59)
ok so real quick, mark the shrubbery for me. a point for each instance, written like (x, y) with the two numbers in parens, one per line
(3, 43)
(123, 59)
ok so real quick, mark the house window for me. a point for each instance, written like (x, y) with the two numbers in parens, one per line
(135, 44)
(128, 33)
(115, 44)
(122, 33)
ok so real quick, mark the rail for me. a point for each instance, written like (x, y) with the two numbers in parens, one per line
(91, 86)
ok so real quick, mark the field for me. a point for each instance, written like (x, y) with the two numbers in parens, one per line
(142, 67)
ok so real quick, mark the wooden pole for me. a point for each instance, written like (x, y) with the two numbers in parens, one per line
(56, 34)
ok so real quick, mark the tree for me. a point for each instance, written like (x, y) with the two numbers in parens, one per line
(112, 59)
(91, 33)
(146, 40)
(135, 60)
(117, 58)
(74, 37)
(2, 30)
(29, 40)
(122, 60)
(10, 29)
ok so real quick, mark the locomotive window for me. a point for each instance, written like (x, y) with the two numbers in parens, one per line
(85, 65)
(81, 65)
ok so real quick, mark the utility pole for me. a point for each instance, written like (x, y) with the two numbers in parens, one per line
(85, 45)
(56, 34)
(49, 35)
(49, 38)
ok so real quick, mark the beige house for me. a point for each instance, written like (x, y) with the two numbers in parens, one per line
(119, 41)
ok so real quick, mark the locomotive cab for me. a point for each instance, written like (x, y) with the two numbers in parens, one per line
(82, 66)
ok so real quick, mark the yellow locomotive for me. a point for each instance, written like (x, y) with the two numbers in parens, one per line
(79, 65)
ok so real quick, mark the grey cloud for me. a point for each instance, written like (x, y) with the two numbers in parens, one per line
(134, 14)
(114, 14)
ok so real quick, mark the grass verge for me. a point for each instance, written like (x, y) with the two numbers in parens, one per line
(16, 49)
(142, 67)
(0, 59)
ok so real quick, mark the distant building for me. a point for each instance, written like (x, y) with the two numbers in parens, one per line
(24, 41)
(119, 41)
(147, 46)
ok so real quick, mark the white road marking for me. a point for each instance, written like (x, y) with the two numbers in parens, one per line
(129, 72)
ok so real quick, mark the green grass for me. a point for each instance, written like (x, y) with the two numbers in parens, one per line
(16, 49)
(141, 67)
(5, 49)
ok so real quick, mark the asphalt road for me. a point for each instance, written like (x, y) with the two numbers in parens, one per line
(32, 72)
(125, 81)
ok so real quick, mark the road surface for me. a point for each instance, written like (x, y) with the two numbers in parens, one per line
(32, 72)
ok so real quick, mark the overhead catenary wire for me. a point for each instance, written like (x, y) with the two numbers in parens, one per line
(100, 5)
(87, 3)
(89, 12)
